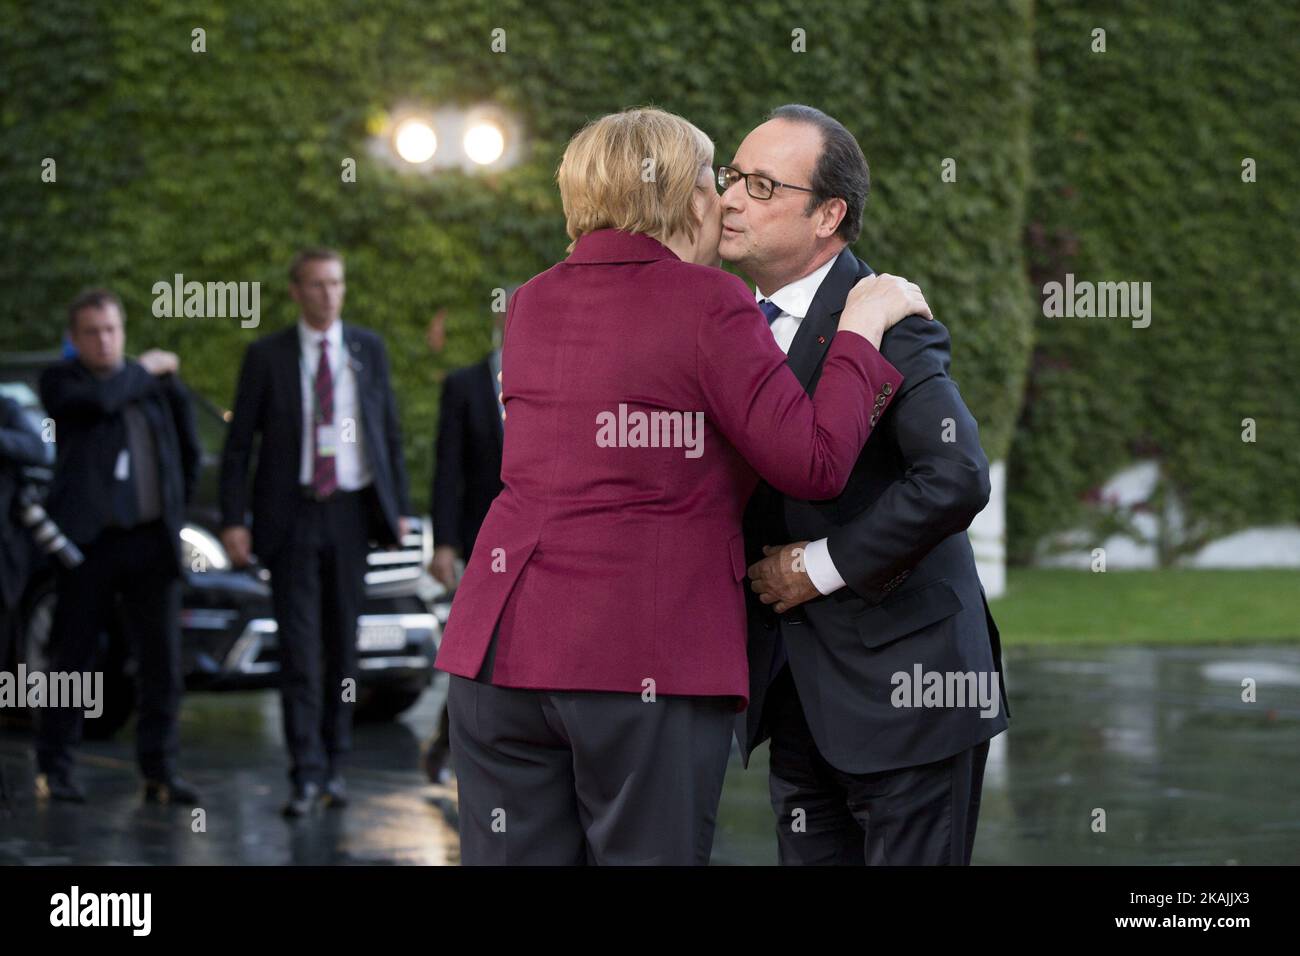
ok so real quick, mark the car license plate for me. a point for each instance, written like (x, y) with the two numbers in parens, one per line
(380, 637)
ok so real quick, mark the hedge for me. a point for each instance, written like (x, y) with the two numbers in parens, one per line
(1138, 176)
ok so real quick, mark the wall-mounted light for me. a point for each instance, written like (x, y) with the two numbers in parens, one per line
(415, 140)
(478, 139)
(484, 142)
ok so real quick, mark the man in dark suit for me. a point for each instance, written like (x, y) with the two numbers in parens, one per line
(467, 472)
(128, 461)
(875, 666)
(330, 476)
(466, 480)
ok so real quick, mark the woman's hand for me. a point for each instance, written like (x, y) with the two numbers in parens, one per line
(878, 303)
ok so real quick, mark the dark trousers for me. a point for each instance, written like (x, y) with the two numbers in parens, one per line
(922, 815)
(317, 588)
(586, 777)
(137, 566)
(9, 624)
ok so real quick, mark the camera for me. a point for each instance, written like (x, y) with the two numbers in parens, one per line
(48, 536)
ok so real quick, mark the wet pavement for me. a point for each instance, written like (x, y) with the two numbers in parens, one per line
(232, 751)
(1158, 738)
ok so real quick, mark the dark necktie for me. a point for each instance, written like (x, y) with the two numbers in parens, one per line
(770, 310)
(324, 478)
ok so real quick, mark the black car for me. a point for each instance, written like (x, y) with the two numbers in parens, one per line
(228, 631)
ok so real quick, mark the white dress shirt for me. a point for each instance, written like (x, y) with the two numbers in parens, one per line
(350, 465)
(793, 300)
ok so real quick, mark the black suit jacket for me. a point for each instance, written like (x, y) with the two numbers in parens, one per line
(467, 472)
(90, 432)
(897, 535)
(268, 402)
(20, 446)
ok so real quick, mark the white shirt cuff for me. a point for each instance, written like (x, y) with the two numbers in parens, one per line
(821, 569)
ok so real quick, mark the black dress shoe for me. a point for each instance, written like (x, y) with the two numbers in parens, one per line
(59, 786)
(169, 790)
(336, 793)
(303, 800)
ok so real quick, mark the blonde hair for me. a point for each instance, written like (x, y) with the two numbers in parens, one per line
(633, 171)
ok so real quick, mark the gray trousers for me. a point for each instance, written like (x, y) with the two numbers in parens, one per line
(586, 777)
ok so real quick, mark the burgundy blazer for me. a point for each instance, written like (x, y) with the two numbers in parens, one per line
(608, 562)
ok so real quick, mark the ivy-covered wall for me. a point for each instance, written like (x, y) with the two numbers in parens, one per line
(1138, 157)
(218, 165)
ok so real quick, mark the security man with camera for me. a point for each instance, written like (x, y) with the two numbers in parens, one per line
(128, 461)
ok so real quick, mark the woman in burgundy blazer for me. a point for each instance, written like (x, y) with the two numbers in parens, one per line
(645, 396)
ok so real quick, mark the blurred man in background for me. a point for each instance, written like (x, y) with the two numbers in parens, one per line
(466, 479)
(330, 476)
(128, 461)
(467, 470)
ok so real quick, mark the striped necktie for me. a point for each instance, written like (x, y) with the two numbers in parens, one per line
(324, 478)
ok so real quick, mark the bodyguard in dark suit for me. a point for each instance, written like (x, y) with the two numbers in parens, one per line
(466, 479)
(467, 472)
(875, 666)
(128, 461)
(330, 477)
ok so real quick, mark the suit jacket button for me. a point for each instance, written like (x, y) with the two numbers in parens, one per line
(888, 388)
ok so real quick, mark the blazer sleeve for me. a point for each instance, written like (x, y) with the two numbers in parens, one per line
(803, 446)
(20, 443)
(245, 420)
(393, 432)
(72, 392)
(448, 468)
(946, 482)
(178, 399)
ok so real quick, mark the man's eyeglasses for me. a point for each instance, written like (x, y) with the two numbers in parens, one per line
(757, 185)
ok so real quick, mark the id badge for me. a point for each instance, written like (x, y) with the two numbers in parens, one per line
(326, 438)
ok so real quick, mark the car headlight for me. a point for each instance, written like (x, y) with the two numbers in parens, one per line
(200, 551)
